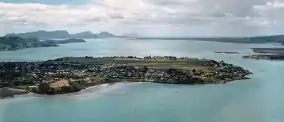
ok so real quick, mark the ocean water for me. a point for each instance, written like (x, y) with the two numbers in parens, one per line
(259, 99)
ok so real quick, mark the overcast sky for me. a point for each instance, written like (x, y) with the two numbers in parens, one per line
(146, 17)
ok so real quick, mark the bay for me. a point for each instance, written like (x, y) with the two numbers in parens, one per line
(259, 99)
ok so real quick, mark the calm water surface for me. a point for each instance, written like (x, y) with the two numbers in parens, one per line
(259, 99)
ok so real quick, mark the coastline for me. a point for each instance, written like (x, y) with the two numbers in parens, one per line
(89, 89)
(20, 92)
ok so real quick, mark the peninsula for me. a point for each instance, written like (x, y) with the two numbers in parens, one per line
(11, 43)
(72, 74)
(16, 43)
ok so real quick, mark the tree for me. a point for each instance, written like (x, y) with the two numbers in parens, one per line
(75, 86)
(43, 88)
(193, 70)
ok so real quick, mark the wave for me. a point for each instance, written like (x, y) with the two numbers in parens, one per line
(116, 89)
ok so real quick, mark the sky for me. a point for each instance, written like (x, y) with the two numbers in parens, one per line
(145, 17)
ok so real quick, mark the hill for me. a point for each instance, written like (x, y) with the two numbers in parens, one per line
(8, 43)
(105, 34)
(61, 34)
(65, 41)
(85, 34)
(41, 34)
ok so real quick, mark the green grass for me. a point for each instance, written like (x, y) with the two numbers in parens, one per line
(98, 79)
(162, 64)
(183, 64)
(24, 87)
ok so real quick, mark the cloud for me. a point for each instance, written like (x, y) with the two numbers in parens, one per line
(137, 13)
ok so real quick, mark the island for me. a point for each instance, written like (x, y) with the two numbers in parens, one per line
(66, 41)
(228, 52)
(12, 43)
(265, 57)
(269, 50)
(72, 74)
(266, 54)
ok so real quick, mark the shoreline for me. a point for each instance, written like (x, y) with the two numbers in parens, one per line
(7, 92)
(88, 89)
(85, 90)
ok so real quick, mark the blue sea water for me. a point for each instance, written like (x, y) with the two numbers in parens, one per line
(259, 99)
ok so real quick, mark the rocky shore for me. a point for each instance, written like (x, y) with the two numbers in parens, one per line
(72, 74)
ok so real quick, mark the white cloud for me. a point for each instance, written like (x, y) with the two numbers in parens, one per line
(138, 14)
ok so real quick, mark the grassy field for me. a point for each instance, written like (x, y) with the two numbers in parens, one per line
(165, 64)
(161, 64)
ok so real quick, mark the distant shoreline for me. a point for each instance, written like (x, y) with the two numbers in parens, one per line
(242, 40)
(272, 57)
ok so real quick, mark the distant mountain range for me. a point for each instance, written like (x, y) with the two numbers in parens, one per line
(63, 34)
(60, 34)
